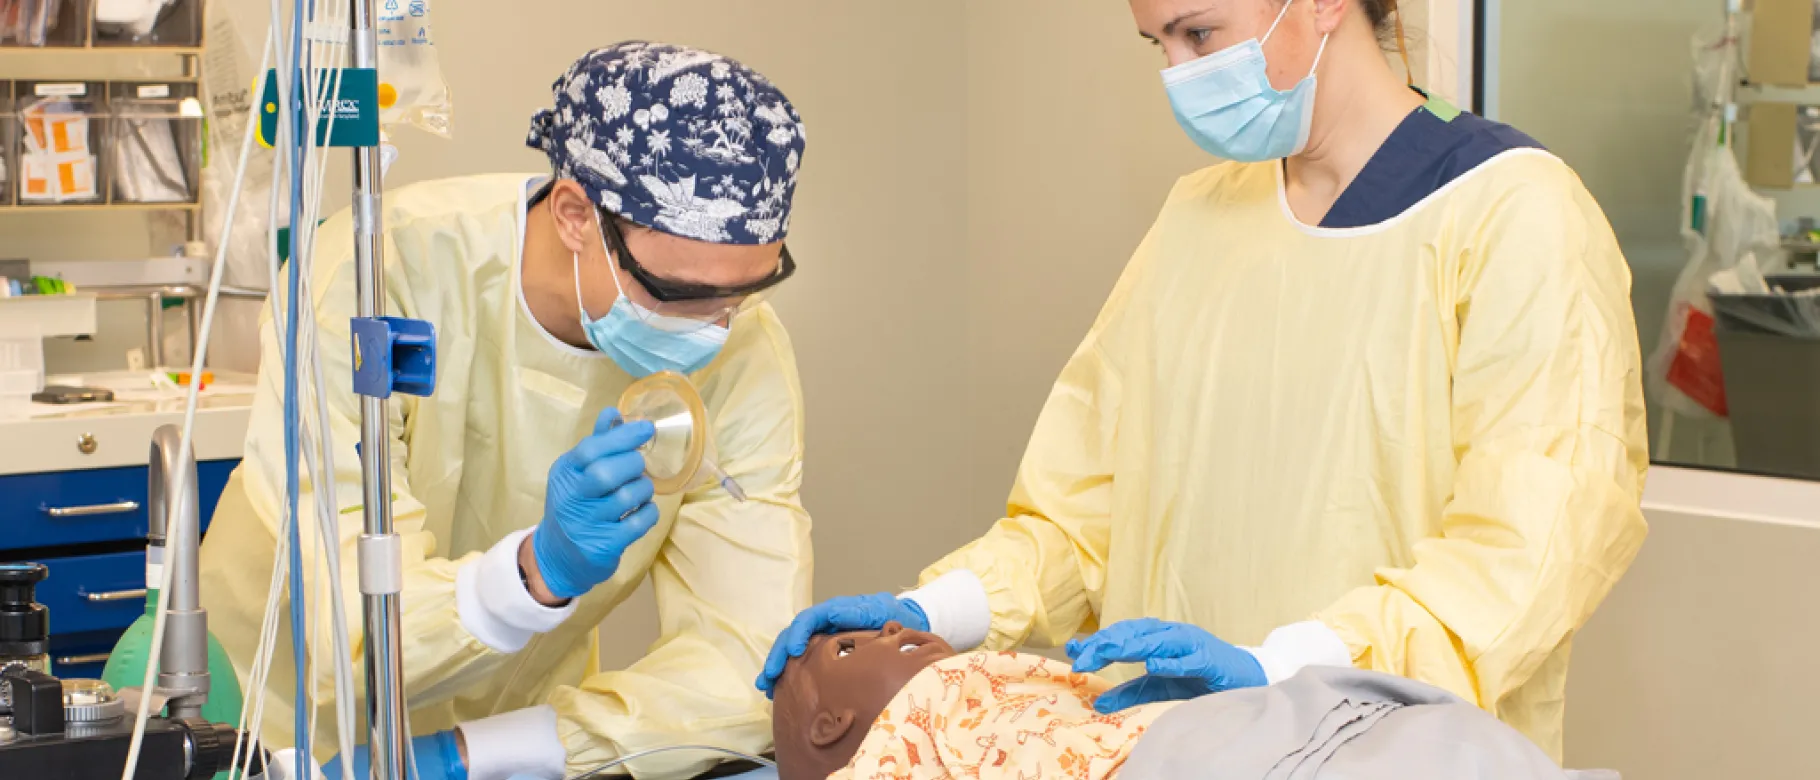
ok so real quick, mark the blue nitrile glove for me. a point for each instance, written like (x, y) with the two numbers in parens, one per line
(596, 504)
(846, 613)
(1182, 662)
(438, 758)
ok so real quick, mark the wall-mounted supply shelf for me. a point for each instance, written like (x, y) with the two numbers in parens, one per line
(171, 27)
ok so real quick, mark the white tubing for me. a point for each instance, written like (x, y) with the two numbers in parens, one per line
(314, 393)
(189, 428)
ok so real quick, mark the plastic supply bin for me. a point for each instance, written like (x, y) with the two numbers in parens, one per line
(1770, 351)
(62, 137)
(43, 23)
(155, 142)
(146, 23)
(9, 135)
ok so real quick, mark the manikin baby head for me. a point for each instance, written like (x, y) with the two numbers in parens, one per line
(828, 698)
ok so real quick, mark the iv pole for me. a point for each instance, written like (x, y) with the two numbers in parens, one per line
(381, 575)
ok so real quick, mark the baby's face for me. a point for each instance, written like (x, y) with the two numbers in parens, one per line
(828, 698)
(883, 660)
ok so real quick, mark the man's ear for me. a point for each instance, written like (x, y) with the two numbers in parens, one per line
(577, 221)
(830, 728)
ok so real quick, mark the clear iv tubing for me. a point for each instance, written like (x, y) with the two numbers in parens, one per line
(595, 772)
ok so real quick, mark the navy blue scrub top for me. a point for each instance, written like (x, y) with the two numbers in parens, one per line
(1434, 145)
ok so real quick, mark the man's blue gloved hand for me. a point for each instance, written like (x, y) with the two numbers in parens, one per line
(597, 503)
(1182, 662)
(847, 613)
(438, 758)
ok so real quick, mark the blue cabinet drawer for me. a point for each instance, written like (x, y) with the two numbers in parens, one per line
(82, 655)
(98, 505)
(94, 592)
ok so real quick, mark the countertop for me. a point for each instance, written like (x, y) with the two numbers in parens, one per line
(54, 437)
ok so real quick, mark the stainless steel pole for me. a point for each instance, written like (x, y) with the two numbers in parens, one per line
(380, 560)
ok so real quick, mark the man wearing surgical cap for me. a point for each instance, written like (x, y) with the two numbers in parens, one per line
(520, 494)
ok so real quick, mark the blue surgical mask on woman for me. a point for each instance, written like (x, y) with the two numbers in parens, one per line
(1226, 103)
(644, 342)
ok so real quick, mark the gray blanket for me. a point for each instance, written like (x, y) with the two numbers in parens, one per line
(1335, 724)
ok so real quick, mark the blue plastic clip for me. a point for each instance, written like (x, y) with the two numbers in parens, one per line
(393, 354)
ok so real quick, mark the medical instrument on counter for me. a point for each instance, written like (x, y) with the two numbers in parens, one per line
(78, 728)
(678, 451)
(596, 771)
(64, 394)
(25, 627)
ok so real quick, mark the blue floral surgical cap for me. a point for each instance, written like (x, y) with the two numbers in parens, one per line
(677, 139)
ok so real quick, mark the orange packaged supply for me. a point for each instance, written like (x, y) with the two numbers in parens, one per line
(48, 178)
(58, 164)
(36, 179)
(56, 127)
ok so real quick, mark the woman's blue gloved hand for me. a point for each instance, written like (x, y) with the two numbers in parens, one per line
(847, 613)
(597, 504)
(438, 758)
(1182, 662)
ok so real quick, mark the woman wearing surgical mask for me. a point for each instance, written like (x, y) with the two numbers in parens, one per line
(1367, 394)
(526, 516)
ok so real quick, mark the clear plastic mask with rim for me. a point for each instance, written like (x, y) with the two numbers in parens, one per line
(678, 450)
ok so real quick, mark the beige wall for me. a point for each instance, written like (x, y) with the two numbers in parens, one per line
(881, 217)
(1071, 150)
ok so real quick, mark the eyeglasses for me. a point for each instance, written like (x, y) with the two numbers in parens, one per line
(670, 291)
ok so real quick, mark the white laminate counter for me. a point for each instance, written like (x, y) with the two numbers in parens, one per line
(53, 438)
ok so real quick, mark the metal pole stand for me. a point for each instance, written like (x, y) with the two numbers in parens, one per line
(390, 354)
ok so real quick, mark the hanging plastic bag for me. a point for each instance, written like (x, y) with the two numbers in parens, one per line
(1723, 222)
(411, 89)
(228, 74)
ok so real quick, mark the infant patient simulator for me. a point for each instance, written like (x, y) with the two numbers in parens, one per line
(901, 704)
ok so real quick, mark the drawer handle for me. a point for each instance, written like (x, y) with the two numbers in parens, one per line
(89, 511)
(116, 595)
(77, 660)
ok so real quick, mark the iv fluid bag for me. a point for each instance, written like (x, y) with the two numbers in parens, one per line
(411, 89)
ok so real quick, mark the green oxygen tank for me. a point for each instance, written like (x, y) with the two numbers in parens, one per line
(126, 665)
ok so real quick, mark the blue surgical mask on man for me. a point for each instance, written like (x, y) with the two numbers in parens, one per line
(644, 342)
(1227, 106)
